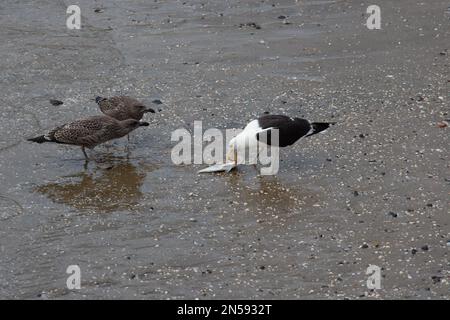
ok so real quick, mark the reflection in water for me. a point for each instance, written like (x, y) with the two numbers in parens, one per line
(105, 189)
(268, 193)
(9, 207)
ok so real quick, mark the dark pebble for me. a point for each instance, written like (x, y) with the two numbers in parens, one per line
(365, 246)
(250, 24)
(425, 248)
(436, 279)
(281, 17)
(56, 102)
(414, 251)
(393, 214)
(429, 205)
(98, 10)
(262, 267)
(157, 101)
(355, 193)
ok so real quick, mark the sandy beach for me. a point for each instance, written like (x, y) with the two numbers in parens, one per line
(372, 190)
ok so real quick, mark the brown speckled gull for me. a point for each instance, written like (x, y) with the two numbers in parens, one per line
(123, 107)
(90, 132)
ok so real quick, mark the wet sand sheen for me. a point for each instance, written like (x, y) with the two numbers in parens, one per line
(369, 192)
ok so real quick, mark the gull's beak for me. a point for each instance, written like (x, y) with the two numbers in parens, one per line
(149, 110)
(232, 155)
(144, 124)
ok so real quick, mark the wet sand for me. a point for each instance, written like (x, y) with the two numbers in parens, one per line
(373, 190)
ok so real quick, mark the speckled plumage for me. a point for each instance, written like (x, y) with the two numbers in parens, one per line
(90, 132)
(123, 107)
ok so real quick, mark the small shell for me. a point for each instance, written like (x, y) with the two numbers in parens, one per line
(442, 124)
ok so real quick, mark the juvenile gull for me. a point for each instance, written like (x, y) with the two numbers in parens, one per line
(290, 130)
(122, 107)
(90, 132)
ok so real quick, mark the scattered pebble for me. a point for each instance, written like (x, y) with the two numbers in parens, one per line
(157, 101)
(250, 24)
(55, 102)
(442, 124)
(436, 279)
(393, 214)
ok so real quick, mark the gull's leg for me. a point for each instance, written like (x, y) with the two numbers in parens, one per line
(127, 147)
(85, 154)
(255, 165)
